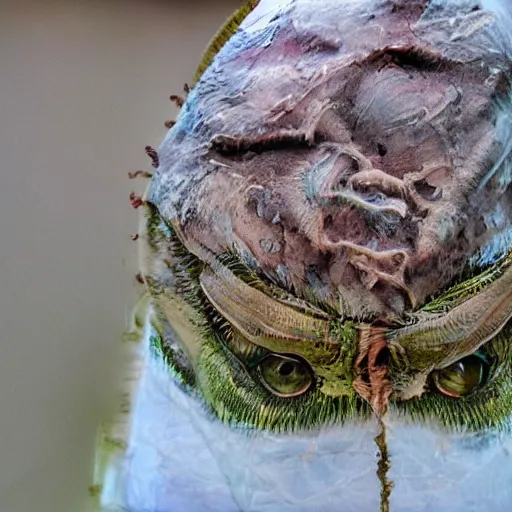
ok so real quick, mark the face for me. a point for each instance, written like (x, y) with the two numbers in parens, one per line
(326, 247)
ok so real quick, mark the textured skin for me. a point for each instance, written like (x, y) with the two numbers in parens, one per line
(355, 152)
(394, 196)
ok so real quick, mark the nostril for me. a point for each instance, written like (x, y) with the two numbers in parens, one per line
(343, 181)
(363, 368)
(427, 191)
(382, 358)
(381, 149)
(354, 164)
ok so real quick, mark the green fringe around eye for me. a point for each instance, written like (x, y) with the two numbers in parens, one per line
(487, 410)
(222, 36)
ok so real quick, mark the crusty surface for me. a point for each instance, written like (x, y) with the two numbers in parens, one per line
(356, 151)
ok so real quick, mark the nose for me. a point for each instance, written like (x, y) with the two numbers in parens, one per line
(372, 381)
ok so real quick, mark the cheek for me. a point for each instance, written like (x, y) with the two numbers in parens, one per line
(396, 117)
(393, 99)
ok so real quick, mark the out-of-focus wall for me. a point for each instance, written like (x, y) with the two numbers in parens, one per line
(84, 86)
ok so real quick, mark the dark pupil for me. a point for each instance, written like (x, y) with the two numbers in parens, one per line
(286, 368)
(462, 377)
(285, 376)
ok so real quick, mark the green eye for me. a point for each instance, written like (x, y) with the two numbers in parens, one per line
(285, 376)
(461, 378)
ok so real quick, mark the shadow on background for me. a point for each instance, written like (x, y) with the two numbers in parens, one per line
(84, 86)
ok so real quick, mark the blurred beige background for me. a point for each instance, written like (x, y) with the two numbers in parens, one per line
(84, 86)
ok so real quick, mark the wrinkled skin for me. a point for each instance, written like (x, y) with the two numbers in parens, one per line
(336, 195)
(356, 154)
(393, 197)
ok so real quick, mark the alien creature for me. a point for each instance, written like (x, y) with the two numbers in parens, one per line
(326, 247)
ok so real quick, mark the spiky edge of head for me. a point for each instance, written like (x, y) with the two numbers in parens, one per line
(221, 37)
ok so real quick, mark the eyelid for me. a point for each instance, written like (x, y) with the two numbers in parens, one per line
(247, 352)
(468, 288)
(265, 321)
(442, 340)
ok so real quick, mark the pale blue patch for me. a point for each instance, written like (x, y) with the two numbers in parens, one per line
(434, 471)
(502, 169)
(499, 244)
(180, 459)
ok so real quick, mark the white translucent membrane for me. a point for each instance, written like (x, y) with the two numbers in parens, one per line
(434, 471)
(180, 459)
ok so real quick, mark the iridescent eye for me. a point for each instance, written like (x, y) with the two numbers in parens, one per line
(461, 378)
(285, 376)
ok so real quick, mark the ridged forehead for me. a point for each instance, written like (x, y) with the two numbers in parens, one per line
(348, 31)
(482, 26)
(296, 64)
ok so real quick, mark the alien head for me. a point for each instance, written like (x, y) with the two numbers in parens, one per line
(330, 220)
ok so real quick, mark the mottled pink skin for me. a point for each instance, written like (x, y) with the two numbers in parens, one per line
(381, 192)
